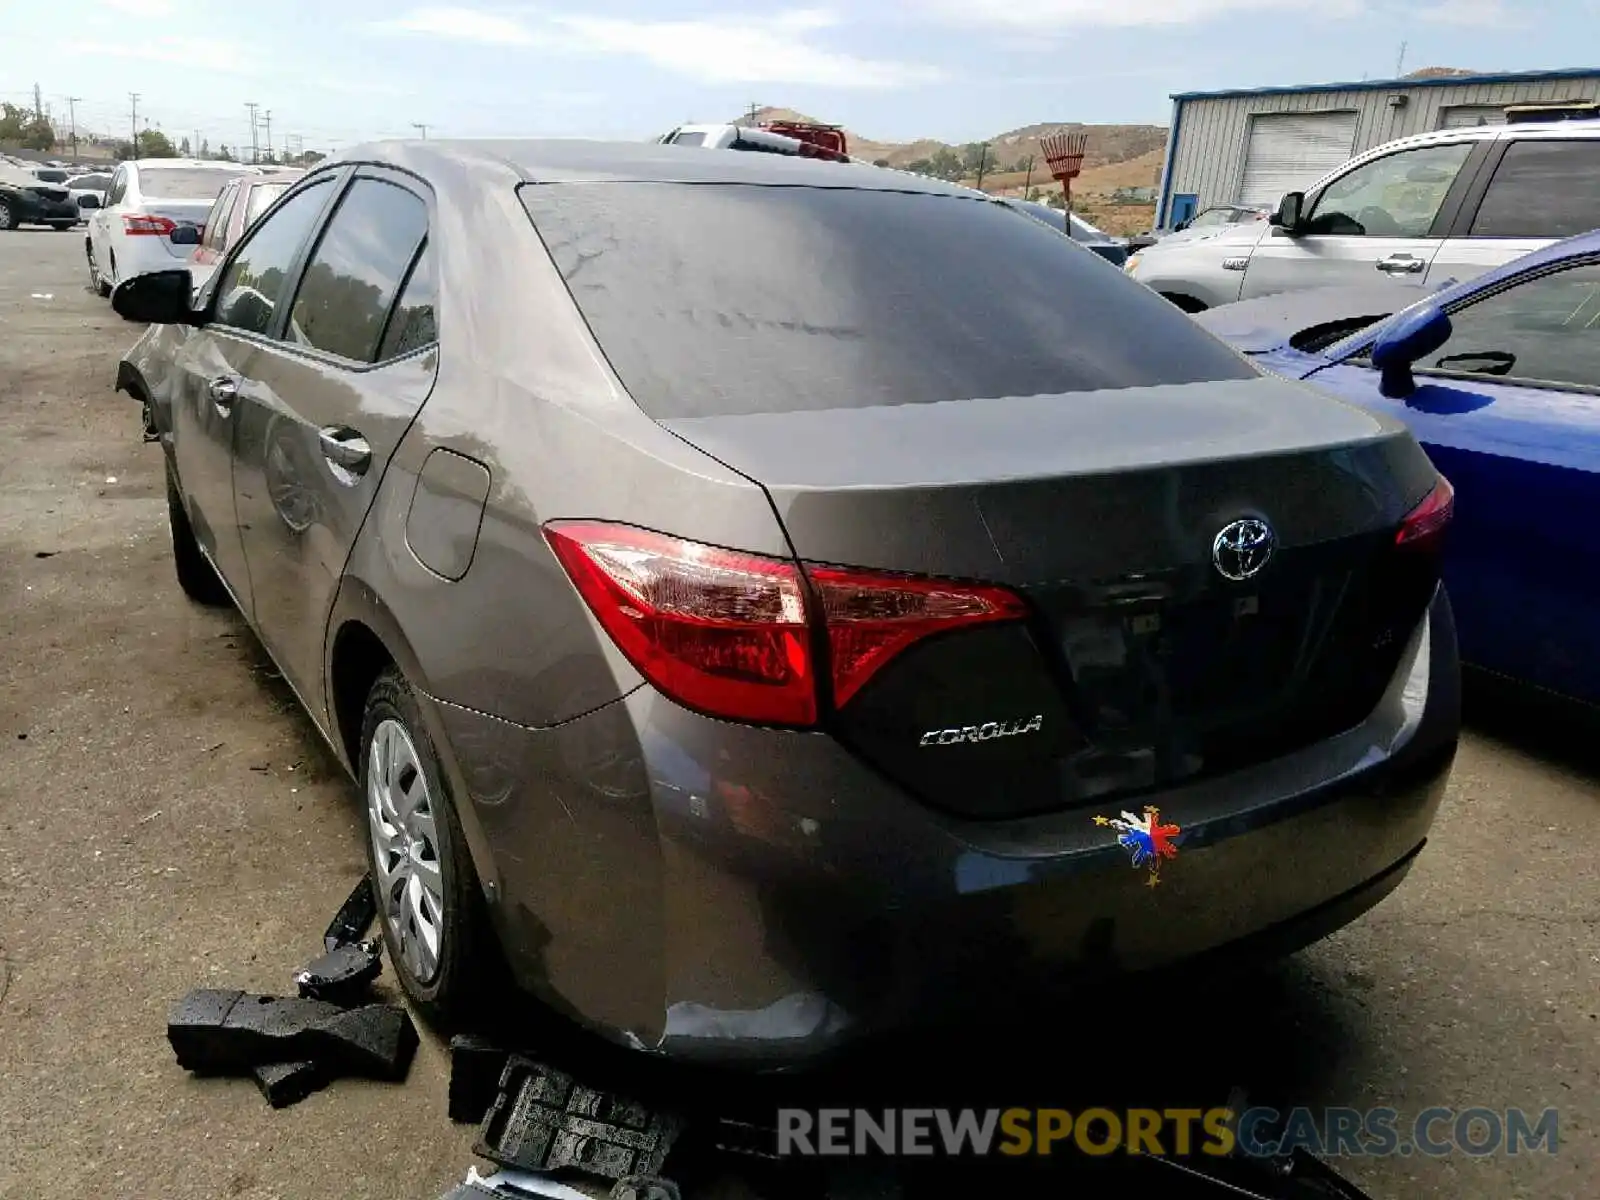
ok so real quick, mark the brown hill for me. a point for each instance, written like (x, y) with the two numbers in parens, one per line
(1107, 144)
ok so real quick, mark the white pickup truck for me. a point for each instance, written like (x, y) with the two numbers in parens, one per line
(1424, 209)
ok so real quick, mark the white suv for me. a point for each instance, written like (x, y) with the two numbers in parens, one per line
(1438, 206)
(147, 202)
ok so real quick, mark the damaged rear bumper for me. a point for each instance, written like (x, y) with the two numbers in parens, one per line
(708, 890)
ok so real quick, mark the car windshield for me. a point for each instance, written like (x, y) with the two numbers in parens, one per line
(47, 175)
(183, 183)
(856, 298)
(91, 182)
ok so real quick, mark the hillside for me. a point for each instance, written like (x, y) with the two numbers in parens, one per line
(1117, 156)
(1107, 143)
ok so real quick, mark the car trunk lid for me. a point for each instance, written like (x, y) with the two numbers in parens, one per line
(1140, 664)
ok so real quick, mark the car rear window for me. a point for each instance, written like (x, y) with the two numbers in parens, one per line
(176, 183)
(719, 299)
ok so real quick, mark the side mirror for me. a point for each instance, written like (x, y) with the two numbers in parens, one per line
(1411, 335)
(1287, 218)
(185, 235)
(157, 298)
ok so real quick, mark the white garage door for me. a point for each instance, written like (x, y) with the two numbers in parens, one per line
(1468, 116)
(1290, 151)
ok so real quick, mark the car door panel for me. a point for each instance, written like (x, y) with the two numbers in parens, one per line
(1379, 219)
(1523, 559)
(321, 421)
(299, 504)
(1282, 263)
(203, 446)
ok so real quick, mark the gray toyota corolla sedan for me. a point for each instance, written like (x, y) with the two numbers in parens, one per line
(769, 601)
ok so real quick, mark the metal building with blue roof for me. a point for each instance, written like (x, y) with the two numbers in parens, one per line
(1249, 146)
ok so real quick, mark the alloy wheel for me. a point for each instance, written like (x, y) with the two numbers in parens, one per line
(5, 216)
(405, 841)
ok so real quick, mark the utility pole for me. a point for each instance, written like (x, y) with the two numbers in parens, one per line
(1400, 60)
(255, 154)
(754, 109)
(420, 128)
(1027, 187)
(133, 121)
(38, 103)
(72, 119)
(267, 121)
(983, 162)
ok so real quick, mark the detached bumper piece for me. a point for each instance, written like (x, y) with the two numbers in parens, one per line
(544, 1121)
(305, 1043)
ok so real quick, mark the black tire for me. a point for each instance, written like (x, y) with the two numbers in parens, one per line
(63, 225)
(468, 977)
(99, 285)
(8, 219)
(196, 576)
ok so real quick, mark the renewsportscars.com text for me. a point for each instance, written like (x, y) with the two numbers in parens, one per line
(1179, 1132)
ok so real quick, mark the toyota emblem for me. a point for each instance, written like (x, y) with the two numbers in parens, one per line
(1242, 548)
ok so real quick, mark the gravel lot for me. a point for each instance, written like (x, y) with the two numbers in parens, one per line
(169, 819)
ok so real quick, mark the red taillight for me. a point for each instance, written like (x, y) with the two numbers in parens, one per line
(729, 633)
(137, 224)
(872, 617)
(717, 630)
(1425, 524)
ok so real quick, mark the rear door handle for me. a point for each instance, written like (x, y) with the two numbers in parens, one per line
(224, 391)
(1401, 264)
(347, 451)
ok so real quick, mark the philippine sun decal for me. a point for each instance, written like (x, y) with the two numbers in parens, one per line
(1147, 841)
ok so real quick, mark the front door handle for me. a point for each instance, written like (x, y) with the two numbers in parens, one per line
(1401, 264)
(347, 451)
(224, 392)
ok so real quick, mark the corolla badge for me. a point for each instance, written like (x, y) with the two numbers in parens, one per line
(1243, 547)
(986, 732)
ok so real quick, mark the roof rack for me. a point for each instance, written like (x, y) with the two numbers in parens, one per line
(1552, 110)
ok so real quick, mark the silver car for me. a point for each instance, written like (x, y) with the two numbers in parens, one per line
(760, 653)
(1439, 206)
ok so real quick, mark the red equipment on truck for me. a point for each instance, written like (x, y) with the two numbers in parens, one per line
(824, 137)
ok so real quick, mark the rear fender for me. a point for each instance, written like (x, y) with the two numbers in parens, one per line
(357, 606)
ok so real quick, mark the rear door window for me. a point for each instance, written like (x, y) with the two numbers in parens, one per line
(357, 269)
(1542, 189)
(714, 299)
(414, 323)
(261, 199)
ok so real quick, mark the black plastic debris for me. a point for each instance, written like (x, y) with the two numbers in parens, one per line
(231, 1033)
(354, 918)
(341, 975)
(543, 1120)
(289, 1083)
(476, 1064)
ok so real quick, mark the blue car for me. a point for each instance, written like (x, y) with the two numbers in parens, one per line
(1499, 379)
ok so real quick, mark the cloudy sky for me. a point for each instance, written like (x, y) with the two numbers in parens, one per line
(960, 70)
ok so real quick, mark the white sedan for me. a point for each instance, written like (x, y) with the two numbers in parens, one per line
(148, 199)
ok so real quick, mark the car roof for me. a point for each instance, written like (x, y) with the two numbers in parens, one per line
(574, 161)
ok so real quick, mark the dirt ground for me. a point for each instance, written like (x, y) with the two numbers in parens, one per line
(168, 819)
